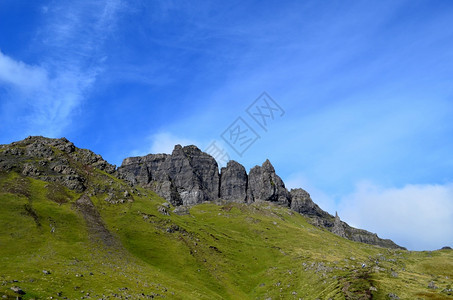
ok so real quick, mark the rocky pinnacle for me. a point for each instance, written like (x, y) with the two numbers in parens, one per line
(186, 177)
(189, 176)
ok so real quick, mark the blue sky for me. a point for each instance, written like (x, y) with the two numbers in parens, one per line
(366, 87)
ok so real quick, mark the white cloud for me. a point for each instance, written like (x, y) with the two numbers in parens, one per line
(419, 217)
(163, 142)
(44, 98)
(21, 75)
(44, 104)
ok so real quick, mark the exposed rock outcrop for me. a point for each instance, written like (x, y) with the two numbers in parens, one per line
(338, 227)
(52, 160)
(302, 203)
(188, 176)
(265, 185)
(364, 236)
(233, 182)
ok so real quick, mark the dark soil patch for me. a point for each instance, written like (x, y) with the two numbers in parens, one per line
(57, 193)
(95, 225)
(356, 285)
(18, 186)
(32, 213)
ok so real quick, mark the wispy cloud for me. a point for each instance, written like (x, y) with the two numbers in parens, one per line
(43, 98)
(165, 141)
(416, 216)
(18, 74)
(162, 142)
(419, 217)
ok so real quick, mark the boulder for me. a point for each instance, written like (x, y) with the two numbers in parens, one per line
(17, 290)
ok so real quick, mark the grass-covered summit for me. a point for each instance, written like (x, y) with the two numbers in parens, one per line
(70, 228)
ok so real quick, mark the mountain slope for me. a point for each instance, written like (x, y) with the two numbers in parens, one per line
(134, 245)
(189, 176)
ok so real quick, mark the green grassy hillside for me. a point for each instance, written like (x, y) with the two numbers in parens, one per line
(140, 249)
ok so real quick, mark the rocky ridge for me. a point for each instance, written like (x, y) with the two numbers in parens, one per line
(186, 177)
(52, 160)
(189, 176)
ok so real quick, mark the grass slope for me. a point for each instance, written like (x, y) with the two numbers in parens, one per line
(218, 251)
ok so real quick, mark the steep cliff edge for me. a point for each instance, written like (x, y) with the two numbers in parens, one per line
(233, 182)
(186, 177)
(189, 176)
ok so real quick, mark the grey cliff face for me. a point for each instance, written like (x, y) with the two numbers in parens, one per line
(135, 171)
(198, 179)
(338, 227)
(233, 182)
(302, 203)
(187, 176)
(265, 185)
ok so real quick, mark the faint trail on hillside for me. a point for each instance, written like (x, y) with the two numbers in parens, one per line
(95, 225)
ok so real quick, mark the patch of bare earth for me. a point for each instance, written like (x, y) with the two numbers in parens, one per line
(96, 228)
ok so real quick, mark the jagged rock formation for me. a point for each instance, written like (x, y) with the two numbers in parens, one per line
(364, 236)
(265, 185)
(337, 227)
(233, 182)
(186, 177)
(189, 176)
(302, 203)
